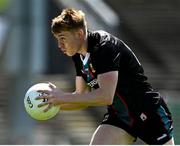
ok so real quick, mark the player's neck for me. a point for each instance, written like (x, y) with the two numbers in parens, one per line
(83, 49)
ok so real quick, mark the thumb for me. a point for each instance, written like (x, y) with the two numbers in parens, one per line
(51, 85)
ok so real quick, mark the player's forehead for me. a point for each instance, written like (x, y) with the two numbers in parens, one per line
(63, 33)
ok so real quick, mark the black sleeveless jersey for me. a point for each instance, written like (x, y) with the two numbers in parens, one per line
(108, 53)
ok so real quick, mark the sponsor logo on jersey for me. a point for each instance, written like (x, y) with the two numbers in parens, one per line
(93, 83)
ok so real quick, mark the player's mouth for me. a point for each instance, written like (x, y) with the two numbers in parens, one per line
(64, 50)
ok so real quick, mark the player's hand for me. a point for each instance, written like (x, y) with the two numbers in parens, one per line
(50, 97)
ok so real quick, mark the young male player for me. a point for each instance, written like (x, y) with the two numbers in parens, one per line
(109, 74)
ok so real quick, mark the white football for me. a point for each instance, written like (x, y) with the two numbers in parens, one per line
(31, 105)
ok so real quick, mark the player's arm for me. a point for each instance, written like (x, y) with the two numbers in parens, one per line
(102, 96)
(81, 87)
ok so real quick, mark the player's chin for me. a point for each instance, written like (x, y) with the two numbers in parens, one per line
(70, 54)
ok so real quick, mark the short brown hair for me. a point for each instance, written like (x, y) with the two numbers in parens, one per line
(69, 19)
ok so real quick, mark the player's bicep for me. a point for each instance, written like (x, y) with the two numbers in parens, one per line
(81, 86)
(108, 82)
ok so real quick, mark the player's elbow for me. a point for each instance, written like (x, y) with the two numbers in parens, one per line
(108, 99)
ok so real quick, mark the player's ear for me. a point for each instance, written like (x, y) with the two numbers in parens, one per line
(80, 33)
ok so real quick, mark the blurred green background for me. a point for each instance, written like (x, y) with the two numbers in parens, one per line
(29, 54)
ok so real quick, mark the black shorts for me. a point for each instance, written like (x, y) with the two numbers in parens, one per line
(152, 125)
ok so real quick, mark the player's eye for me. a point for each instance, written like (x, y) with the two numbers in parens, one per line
(62, 39)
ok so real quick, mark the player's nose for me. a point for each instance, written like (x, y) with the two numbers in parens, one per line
(61, 46)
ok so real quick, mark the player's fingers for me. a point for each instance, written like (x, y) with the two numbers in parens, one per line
(43, 104)
(48, 108)
(44, 91)
(42, 97)
(51, 85)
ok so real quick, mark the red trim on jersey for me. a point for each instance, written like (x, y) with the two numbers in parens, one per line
(114, 109)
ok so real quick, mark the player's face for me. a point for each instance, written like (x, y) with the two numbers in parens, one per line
(69, 42)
